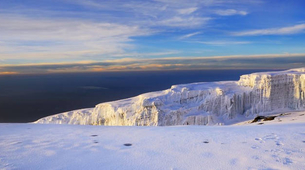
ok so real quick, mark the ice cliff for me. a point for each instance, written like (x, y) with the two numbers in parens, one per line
(205, 103)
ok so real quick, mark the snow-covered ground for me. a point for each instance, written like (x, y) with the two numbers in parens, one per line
(277, 144)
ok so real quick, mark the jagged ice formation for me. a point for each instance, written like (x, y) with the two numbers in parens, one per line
(206, 103)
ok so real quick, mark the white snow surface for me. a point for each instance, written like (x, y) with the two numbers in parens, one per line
(206, 103)
(277, 144)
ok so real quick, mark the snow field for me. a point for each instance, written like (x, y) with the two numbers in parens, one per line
(46, 146)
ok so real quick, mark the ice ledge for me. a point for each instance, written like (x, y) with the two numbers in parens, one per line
(256, 79)
(205, 103)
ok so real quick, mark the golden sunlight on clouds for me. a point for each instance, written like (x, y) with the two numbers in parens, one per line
(8, 73)
(266, 61)
(138, 67)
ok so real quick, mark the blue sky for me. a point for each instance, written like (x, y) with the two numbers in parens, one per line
(82, 35)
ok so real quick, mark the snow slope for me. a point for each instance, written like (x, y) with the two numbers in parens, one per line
(288, 117)
(206, 103)
(272, 145)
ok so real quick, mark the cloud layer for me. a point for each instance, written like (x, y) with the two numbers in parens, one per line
(300, 28)
(91, 29)
(229, 12)
(274, 61)
(62, 38)
(77, 31)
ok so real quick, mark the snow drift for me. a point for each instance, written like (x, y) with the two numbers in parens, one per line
(206, 103)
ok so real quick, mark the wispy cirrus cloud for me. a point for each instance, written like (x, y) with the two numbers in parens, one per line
(183, 22)
(189, 35)
(77, 30)
(229, 12)
(224, 42)
(187, 10)
(181, 14)
(62, 38)
(110, 33)
(151, 54)
(300, 28)
(24, 28)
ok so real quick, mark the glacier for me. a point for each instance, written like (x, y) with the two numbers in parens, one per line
(205, 103)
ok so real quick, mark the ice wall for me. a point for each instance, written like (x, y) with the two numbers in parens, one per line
(205, 103)
(275, 90)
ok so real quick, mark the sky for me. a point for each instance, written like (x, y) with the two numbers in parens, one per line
(53, 36)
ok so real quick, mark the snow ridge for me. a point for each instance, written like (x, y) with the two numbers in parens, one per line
(206, 103)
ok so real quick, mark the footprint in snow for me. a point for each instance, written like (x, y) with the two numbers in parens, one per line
(93, 135)
(254, 147)
(127, 144)
(205, 141)
(255, 157)
(271, 137)
(260, 140)
(279, 143)
(287, 161)
(234, 161)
